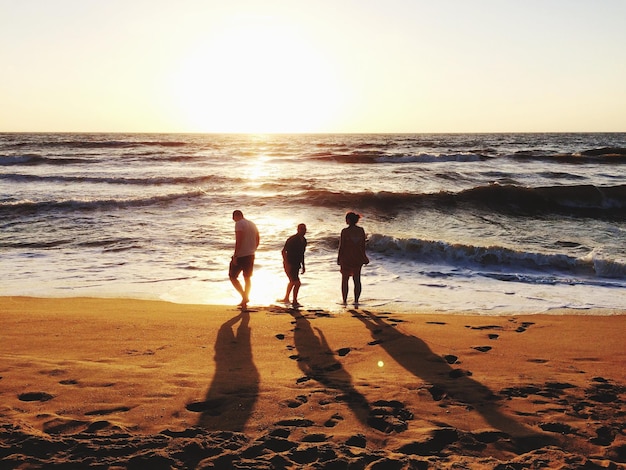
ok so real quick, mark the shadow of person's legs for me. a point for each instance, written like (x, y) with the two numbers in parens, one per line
(234, 390)
(415, 356)
(317, 361)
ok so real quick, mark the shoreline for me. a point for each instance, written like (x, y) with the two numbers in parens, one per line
(336, 308)
(181, 384)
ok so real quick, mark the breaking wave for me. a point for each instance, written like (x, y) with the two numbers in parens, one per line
(587, 200)
(512, 261)
(18, 208)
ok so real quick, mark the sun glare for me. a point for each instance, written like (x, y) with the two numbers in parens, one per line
(257, 169)
(255, 75)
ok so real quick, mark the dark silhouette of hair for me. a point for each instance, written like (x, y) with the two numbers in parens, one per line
(352, 217)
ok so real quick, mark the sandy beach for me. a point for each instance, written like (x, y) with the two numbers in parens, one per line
(116, 383)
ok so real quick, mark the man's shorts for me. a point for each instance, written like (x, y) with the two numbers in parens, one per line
(292, 271)
(244, 264)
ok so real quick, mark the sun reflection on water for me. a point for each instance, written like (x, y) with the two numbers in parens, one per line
(258, 169)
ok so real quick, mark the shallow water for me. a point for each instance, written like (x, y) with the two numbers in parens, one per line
(463, 222)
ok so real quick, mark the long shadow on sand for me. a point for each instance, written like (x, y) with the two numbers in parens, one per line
(234, 390)
(418, 359)
(317, 361)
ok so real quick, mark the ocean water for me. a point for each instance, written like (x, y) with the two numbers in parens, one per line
(487, 223)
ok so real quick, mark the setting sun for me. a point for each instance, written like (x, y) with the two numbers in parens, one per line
(317, 67)
(256, 75)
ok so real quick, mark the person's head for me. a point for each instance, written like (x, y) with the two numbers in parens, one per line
(352, 218)
(237, 215)
(301, 229)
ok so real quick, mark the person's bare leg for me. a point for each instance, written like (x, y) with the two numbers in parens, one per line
(296, 289)
(237, 285)
(247, 288)
(357, 288)
(344, 288)
(288, 293)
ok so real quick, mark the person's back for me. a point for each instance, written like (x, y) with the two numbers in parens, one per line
(352, 246)
(294, 249)
(249, 234)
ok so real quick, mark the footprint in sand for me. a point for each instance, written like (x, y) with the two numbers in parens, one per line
(457, 373)
(280, 432)
(296, 423)
(297, 402)
(343, 351)
(485, 327)
(319, 313)
(389, 416)
(451, 358)
(357, 440)
(316, 437)
(605, 436)
(437, 393)
(482, 348)
(559, 428)
(524, 326)
(210, 407)
(333, 420)
(107, 411)
(35, 396)
(69, 382)
(53, 372)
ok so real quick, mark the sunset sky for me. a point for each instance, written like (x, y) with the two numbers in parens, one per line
(317, 66)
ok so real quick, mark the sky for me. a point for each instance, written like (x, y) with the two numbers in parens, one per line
(339, 66)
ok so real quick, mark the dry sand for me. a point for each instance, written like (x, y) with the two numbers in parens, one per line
(114, 383)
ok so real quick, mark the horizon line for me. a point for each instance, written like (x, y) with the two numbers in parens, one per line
(311, 133)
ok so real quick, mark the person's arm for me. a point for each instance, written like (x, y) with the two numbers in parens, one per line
(339, 250)
(284, 251)
(238, 242)
(365, 258)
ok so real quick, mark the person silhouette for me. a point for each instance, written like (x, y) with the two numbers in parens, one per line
(293, 259)
(351, 256)
(246, 242)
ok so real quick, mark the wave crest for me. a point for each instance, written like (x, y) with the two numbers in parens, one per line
(513, 260)
(18, 208)
(587, 200)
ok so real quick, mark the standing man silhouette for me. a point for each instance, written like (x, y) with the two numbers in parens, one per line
(246, 242)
